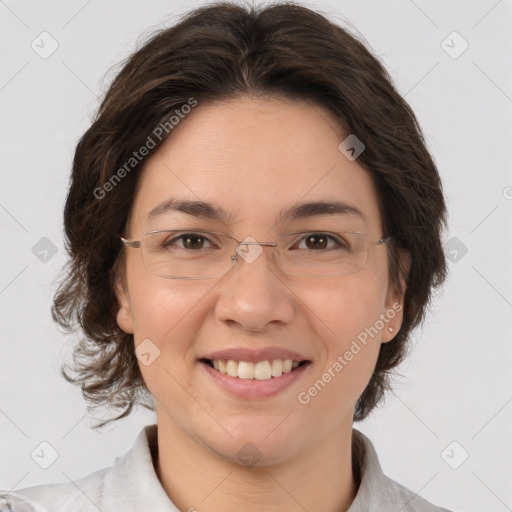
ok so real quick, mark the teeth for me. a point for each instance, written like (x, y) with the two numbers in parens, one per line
(232, 368)
(277, 368)
(287, 365)
(263, 370)
(246, 370)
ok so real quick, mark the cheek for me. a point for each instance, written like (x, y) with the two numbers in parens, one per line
(169, 313)
(346, 306)
(166, 314)
(154, 301)
(346, 314)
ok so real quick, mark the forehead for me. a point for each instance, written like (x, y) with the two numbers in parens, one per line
(253, 157)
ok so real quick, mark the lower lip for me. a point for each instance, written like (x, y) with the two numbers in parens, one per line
(252, 389)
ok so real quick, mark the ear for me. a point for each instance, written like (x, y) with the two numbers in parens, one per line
(394, 307)
(124, 312)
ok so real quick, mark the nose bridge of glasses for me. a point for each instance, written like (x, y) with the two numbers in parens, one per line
(249, 249)
(245, 242)
(250, 241)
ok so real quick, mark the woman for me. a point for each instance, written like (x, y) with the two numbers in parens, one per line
(254, 229)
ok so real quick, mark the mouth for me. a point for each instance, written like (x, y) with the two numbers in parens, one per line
(262, 370)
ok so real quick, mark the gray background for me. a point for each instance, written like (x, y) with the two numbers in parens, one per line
(455, 386)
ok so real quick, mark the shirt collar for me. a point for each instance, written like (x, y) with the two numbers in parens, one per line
(133, 482)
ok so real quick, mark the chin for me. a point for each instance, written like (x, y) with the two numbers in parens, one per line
(256, 444)
(255, 453)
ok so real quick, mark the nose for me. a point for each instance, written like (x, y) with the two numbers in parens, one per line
(254, 294)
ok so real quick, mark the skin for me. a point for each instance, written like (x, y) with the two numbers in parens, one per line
(228, 153)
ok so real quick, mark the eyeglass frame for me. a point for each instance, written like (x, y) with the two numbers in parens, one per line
(137, 244)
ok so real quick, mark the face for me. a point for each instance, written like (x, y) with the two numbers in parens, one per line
(255, 158)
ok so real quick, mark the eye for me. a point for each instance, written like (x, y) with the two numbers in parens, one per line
(190, 241)
(319, 241)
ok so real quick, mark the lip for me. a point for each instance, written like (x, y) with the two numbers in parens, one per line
(255, 355)
(252, 389)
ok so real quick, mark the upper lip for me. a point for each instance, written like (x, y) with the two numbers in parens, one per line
(255, 355)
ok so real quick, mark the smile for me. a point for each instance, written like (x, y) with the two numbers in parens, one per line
(262, 370)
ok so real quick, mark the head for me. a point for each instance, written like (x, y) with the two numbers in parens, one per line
(246, 109)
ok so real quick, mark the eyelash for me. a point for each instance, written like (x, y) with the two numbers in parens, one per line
(330, 237)
(339, 242)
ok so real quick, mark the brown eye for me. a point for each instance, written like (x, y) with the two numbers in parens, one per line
(320, 241)
(190, 241)
(317, 241)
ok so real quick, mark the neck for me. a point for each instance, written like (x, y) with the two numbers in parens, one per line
(196, 478)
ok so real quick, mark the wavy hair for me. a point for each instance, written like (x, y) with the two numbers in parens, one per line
(214, 53)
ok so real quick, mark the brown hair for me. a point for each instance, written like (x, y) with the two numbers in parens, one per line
(220, 52)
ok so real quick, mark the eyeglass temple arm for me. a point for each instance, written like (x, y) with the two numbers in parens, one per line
(383, 240)
(135, 244)
(132, 244)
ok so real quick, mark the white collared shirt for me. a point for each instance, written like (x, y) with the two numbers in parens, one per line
(132, 484)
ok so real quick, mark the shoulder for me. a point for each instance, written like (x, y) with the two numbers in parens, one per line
(408, 500)
(80, 496)
(377, 492)
(129, 484)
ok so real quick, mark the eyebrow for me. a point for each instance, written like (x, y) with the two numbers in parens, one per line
(297, 211)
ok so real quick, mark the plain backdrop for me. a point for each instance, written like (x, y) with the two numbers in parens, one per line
(453, 398)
